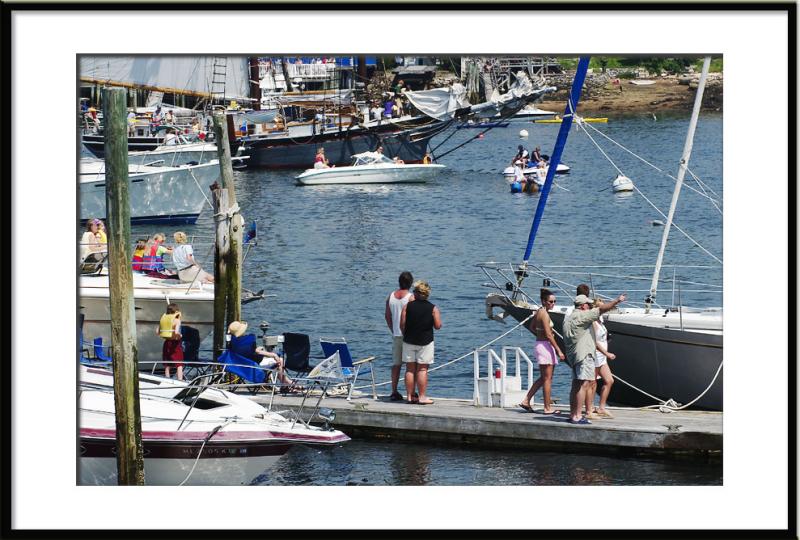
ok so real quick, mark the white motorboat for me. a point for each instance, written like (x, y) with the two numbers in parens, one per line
(531, 111)
(157, 194)
(151, 296)
(622, 183)
(173, 155)
(535, 172)
(370, 168)
(192, 434)
(642, 82)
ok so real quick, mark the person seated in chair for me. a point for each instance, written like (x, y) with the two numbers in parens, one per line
(245, 345)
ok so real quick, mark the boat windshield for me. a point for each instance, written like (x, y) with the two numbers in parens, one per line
(369, 158)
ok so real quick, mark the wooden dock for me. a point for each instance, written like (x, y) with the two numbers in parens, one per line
(683, 434)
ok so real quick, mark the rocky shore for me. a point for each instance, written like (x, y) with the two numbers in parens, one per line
(603, 96)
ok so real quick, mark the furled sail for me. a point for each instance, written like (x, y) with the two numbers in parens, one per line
(520, 93)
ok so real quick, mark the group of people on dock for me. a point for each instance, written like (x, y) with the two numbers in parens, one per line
(586, 340)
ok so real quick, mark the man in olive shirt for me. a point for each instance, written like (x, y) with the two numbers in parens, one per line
(580, 350)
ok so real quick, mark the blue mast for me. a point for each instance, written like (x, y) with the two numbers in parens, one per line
(555, 159)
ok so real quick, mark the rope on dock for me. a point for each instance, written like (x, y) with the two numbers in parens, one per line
(470, 353)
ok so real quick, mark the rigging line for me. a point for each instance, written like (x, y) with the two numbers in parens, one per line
(635, 187)
(585, 125)
(208, 438)
(201, 189)
(463, 355)
(705, 186)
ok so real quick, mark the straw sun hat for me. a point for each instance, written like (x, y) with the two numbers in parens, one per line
(237, 328)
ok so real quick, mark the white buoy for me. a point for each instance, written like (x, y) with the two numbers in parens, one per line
(523, 133)
(622, 183)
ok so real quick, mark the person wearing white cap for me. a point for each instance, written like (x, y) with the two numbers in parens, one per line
(245, 345)
(581, 346)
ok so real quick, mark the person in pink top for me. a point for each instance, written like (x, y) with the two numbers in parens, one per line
(394, 307)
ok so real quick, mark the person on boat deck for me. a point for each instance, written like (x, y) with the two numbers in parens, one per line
(169, 118)
(188, 269)
(398, 160)
(583, 289)
(602, 369)
(170, 139)
(138, 254)
(518, 155)
(379, 150)
(169, 329)
(196, 126)
(399, 87)
(92, 242)
(580, 350)
(536, 156)
(154, 254)
(131, 122)
(427, 160)
(396, 108)
(395, 303)
(387, 108)
(519, 176)
(101, 230)
(547, 352)
(245, 345)
(320, 161)
(418, 320)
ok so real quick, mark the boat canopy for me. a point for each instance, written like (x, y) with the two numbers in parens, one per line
(440, 103)
(368, 158)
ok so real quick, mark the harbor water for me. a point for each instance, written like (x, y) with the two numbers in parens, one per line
(332, 254)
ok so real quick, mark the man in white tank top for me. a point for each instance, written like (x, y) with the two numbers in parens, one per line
(394, 307)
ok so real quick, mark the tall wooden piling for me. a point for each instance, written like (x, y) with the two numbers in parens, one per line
(130, 460)
(229, 225)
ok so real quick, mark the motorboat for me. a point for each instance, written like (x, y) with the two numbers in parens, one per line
(158, 194)
(531, 111)
(151, 296)
(370, 168)
(621, 183)
(535, 172)
(192, 432)
(642, 82)
(176, 151)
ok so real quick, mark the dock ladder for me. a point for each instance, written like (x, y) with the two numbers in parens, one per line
(500, 388)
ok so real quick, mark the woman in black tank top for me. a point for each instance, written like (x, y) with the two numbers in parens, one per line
(418, 321)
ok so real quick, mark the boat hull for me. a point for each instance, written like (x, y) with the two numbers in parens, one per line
(371, 175)
(96, 144)
(173, 196)
(665, 362)
(168, 464)
(410, 145)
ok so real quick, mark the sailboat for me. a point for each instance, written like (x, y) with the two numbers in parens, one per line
(669, 356)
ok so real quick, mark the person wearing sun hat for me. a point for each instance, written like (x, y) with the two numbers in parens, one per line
(580, 347)
(245, 345)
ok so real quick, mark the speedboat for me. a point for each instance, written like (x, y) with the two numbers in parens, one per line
(192, 433)
(493, 124)
(370, 168)
(622, 183)
(158, 194)
(151, 296)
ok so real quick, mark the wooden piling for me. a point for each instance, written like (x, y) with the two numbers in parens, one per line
(130, 460)
(229, 225)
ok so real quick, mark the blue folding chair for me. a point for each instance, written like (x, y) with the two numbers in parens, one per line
(247, 370)
(99, 350)
(350, 369)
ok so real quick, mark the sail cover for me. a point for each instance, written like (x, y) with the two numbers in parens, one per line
(440, 103)
(187, 74)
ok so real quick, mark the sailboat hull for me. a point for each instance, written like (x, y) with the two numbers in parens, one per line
(664, 362)
(410, 145)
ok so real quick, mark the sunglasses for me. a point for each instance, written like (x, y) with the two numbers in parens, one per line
(549, 301)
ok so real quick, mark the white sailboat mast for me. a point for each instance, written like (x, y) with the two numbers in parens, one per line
(687, 152)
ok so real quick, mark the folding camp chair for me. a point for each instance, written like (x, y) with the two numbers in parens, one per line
(245, 369)
(350, 369)
(296, 349)
(100, 350)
